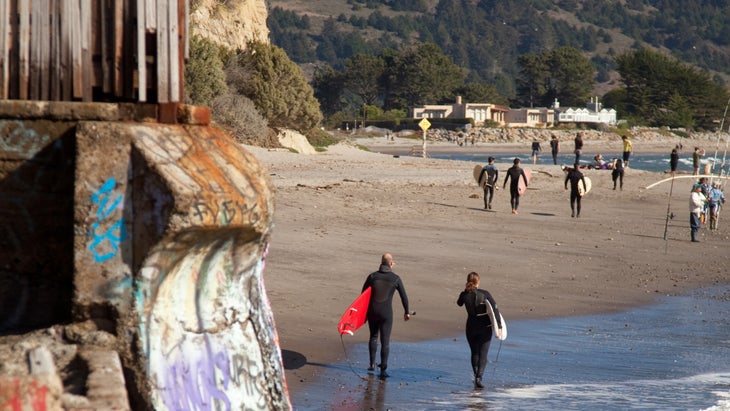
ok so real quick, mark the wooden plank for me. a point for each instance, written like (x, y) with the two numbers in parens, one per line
(86, 52)
(35, 50)
(150, 19)
(4, 47)
(65, 50)
(76, 59)
(104, 33)
(24, 50)
(44, 53)
(141, 52)
(129, 66)
(55, 50)
(163, 57)
(174, 53)
(118, 49)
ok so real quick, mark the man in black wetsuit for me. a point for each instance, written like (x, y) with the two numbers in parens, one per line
(514, 172)
(575, 177)
(384, 283)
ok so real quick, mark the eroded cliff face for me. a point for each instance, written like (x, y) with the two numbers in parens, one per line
(231, 23)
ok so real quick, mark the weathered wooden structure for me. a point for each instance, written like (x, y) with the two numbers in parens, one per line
(93, 50)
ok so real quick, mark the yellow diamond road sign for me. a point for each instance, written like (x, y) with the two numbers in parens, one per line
(424, 124)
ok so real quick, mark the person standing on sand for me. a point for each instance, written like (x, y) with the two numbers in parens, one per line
(578, 146)
(554, 148)
(628, 149)
(696, 205)
(618, 174)
(696, 159)
(384, 284)
(714, 200)
(478, 324)
(514, 172)
(491, 173)
(535, 150)
(575, 177)
(673, 161)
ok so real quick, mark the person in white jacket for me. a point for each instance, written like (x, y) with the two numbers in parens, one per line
(696, 205)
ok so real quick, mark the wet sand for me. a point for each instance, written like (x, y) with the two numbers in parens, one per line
(336, 212)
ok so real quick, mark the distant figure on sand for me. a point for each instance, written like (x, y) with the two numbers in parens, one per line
(535, 151)
(628, 149)
(575, 177)
(554, 148)
(478, 324)
(514, 172)
(618, 174)
(673, 160)
(384, 283)
(696, 205)
(491, 173)
(696, 159)
(578, 146)
(715, 199)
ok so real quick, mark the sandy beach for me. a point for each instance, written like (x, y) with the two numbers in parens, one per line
(338, 211)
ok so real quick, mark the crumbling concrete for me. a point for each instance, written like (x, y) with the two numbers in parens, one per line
(147, 242)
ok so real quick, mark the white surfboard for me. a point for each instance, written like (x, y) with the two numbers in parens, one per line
(500, 333)
(588, 186)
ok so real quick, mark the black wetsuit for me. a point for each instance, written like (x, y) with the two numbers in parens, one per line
(575, 177)
(491, 173)
(384, 283)
(514, 172)
(618, 174)
(478, 326)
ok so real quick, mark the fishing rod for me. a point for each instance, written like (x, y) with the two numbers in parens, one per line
(666, 223)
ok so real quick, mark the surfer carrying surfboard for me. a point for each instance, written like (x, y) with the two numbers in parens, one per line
(479, 325)
(488, 178)
(575, 177)
(384, 283)
(515, 173)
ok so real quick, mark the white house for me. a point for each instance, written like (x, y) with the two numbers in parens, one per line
(593, 113)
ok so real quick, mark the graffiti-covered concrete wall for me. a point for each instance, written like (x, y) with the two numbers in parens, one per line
(155, 233)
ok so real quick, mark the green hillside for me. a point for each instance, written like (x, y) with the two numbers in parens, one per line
(486, 37)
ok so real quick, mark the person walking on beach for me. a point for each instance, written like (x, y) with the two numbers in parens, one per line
(696, 159)
(715, 199)
(384, 284)
(578, 146)
(490, 172)
(618, 174)
(673, 160)
(515, 173)
(696, 205)
(535, 150)
(478, 324)
(575, 177)
(554, 148)
(628, 149)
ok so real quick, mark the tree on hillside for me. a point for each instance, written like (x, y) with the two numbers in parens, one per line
(420, 75)
(363, 76)
(328, 85)
(570, 77)
(276, 85)
(662, 89)
(204, 75)
(563, 74)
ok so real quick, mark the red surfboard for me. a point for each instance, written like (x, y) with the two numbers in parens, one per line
(356, 314)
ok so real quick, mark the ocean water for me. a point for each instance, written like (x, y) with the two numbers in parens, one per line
(647, 162)
(674, 355)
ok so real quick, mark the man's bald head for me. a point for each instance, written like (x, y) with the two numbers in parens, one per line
(387, 259)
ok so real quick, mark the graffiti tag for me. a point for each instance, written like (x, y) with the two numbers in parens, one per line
(106, 233)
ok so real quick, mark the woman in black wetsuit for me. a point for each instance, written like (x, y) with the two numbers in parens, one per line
(478, 324)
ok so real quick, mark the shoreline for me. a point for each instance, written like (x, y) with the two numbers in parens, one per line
(336, 212)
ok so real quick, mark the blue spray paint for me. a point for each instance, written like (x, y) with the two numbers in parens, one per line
(115, 233)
